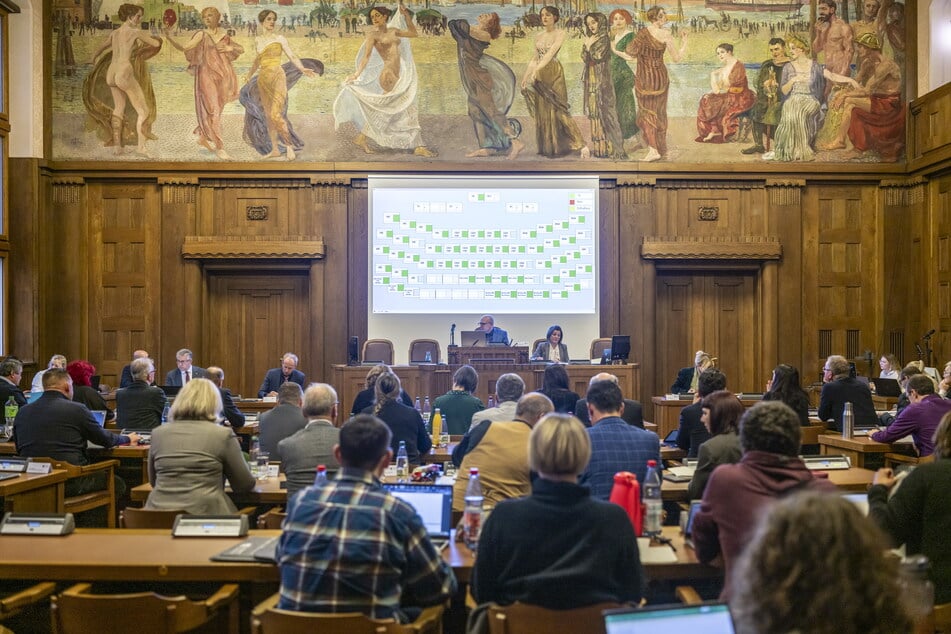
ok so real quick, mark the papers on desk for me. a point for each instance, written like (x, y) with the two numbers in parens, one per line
(661, 554)
(680, 474)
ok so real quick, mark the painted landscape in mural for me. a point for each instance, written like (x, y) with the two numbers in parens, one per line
(691, 82)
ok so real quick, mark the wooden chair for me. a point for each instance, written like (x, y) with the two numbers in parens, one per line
(378, 351)
(268, 619)
(418, 349)
(894, 459)
(521, 618)
(148, 518)
(272, 519)
(76, 611)
(535, 345)
(941, 614)
(94, 499)
(15, 602)
(598, 347)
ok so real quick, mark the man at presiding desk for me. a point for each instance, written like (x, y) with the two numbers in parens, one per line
(494, 334)
(276, 377)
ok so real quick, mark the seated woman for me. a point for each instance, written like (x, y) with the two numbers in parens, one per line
(784, 386)
(552, 349)
(890, 367)
(458, 404)
(719, 110)
(191, 456)
(555, 387)
(80, 372)
(816, 565)
(590, 554)
(721, 413)
(918, 513)
(404, 422)
(687, 377)
(366, 396)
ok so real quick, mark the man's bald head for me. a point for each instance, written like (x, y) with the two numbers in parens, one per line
(532, 406)
(603, 376)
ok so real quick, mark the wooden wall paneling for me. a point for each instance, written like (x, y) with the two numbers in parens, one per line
(181, 280)
(611, 243)
(732, 328)
(125, 270)
(787, 221)
(939, 310)
(331, 289)
(357, 258)
(63, 298)
(674, 328)
(29, 205)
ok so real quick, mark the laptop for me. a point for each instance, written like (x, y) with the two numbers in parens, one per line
(262, 549)
(171, 390)
(709, 618)
(100, 416)
(471, 338)
(94, 381)
(887, 387)
(433, 503)
(32, 396)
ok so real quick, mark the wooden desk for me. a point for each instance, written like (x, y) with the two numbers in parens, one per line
(856, 479)
(34, 492)
(265, 492)
(438, 455)
(856, 449)
(474, 355)
(667, 412)
(8, 448)
(132, 456)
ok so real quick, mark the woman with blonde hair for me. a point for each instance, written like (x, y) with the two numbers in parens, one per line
(590, 558)
(687, 377)
(192, 455)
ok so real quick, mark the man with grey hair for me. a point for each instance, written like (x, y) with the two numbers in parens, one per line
(10, 372)
(839, 388)
(314, 444)
(631, 412)
(185, 371)
(141, 405)
(276, 377)
(500, 450)
(230, 411)
(736, 494)
(125, 379)
(508, 389)
(284, 420)
(56, 361)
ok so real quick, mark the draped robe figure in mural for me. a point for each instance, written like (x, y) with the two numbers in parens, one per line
(802, 86)
(599, 101)
(719, 110)
(622, 75)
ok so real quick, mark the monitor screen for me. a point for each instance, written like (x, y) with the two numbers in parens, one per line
(620, 347)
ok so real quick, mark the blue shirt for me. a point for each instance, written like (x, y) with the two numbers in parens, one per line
(617, 446)
(351, 546)
(497, 335)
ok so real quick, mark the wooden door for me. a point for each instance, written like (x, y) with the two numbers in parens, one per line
(712, 311)
(256, 319)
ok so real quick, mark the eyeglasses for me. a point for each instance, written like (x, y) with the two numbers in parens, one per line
(483, 323)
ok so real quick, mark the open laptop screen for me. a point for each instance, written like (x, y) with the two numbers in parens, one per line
(433, 503)
(469, 338)
(100, 416)
(707, 618)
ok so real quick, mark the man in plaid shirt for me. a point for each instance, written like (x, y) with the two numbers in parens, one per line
(351, 546)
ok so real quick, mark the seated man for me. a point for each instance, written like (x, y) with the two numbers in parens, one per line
(276, 377)
(186, 371)
(10, 372)
(920, 418)
(232, 414)
(615, 445)
(286, 419)
(125, 379)
(313, 445)
(840, 388)
(692, 433)
(500, 450)
(351, 546)
(508, 389)
(54, 426)
(494, 334)
(632, 412)
(770, 435)
(141, 405)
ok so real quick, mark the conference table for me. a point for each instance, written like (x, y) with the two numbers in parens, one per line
(854, 479)
(861, 450)
(269, 491)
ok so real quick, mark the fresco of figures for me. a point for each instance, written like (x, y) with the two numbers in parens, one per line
(694, 82)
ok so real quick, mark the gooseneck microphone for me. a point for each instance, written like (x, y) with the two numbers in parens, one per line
(928, 334)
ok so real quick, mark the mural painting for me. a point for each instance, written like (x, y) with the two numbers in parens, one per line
(747, 81)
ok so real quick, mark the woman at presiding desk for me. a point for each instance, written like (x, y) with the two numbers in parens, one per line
(552, 349)
(191, 455)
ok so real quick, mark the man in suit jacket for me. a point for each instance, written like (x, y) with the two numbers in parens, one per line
(276, 377)
(314, 444)
(692, 432)
(229, 410)
(125, 379)
(10, 372)
(186, 371)
(632, 412)
(841, 388)
(141, 405)
(284, 420)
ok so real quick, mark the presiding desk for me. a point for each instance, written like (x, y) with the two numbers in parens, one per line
(432, 380)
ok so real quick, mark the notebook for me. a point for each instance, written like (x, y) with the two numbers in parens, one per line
(433, 503)
(710, 618)
(470, 338)
(261, 549)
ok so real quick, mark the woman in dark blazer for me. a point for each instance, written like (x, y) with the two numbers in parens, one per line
(721, 412)
(552, 349)
(784, 386)
(404, 422)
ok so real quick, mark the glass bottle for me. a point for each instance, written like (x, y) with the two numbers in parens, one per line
(653, 505)
(472, 515)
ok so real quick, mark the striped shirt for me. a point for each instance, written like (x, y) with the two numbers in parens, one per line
(351, 546)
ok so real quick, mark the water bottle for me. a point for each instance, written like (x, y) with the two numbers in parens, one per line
(917, 590)
(165, 413)
(491, 402)
(429, 356)
(848, 422)
(418, 407)
(321, 478)
(653, 506)
(10, 410)
(402, 462)
(472, 516)
(427, 411)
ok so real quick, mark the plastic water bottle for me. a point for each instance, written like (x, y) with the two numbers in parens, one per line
(10, 410)
(427, 411)
(437, 426)
(418, 407)
(653, 506)
(491, 402)
(472, 516)
(321, 478)
(848, 420)
(402, 462)
(429, 356)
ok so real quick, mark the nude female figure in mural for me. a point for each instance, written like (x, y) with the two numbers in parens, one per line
(125, 76)
(210, 53)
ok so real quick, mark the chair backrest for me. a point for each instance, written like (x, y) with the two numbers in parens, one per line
(89, 500)
(268, 619)
(598, 347)
(418, 349)
(535, 346)
(77, 612)
(520, 618)
(271, 520)
(378, 351)
(147, 518)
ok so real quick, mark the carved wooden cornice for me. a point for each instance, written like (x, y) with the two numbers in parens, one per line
(786, 191)
(252, 248)
(735, 184)
(900, 192)
(684, 248)
(256, 183)
(67, 190)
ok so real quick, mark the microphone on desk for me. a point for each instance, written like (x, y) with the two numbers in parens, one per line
(928, 334)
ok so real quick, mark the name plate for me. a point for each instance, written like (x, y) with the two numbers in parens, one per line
(37, 524)
(39, 467)
(210, 526)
